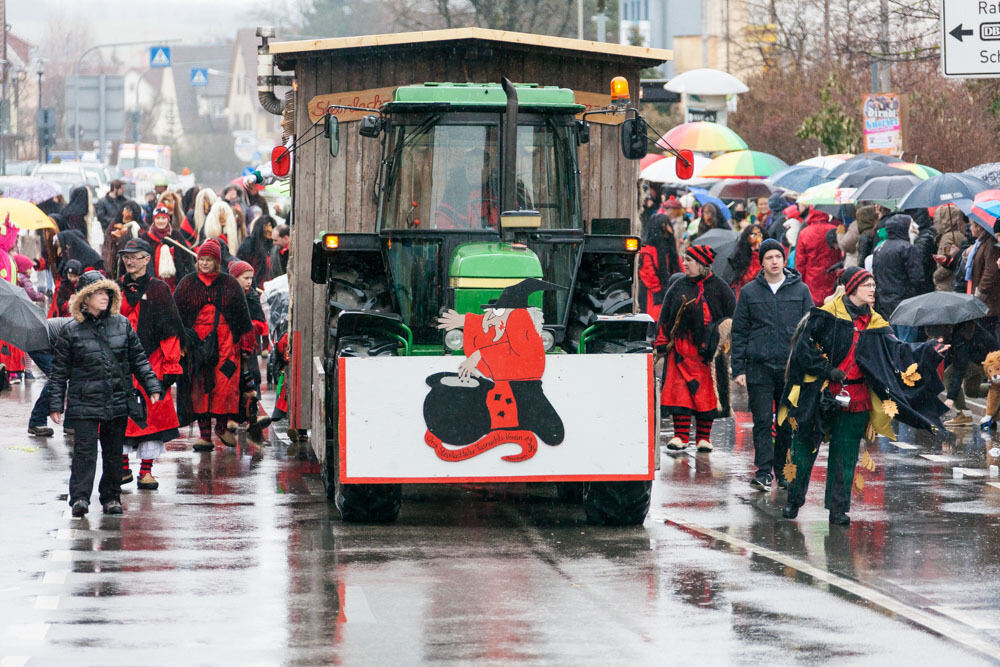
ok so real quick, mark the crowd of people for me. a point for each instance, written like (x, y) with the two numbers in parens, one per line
(792, 314)
(164, 325)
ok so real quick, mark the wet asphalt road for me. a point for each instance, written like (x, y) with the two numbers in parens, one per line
(238, 558)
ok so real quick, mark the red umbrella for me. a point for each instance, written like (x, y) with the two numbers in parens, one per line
(650, 159)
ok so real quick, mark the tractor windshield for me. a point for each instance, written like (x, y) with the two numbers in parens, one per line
(446, 175)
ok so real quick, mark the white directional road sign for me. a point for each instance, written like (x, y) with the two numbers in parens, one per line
(970, 38)
(159, 56)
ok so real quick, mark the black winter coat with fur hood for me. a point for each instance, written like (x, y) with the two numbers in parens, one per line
(86, 381)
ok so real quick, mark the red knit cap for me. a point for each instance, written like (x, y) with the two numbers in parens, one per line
(702, 254)
(237, 269)
(853, 276)
(210, 248)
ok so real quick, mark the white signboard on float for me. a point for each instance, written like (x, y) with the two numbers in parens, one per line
(606, 404)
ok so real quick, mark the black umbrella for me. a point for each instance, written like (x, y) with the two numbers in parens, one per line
(741, 188)
(858, 162)
(856, 179)
(942, 189)
(886, 188)
(723, 242)
(938, 308)
(23, 321)
(989, 172)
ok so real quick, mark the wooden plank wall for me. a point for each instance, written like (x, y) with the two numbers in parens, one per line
(336, 194)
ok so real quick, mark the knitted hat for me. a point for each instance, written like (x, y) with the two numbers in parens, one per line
(854, 276)
(702, 254)
(210, 248)
(672, 202)
(23, 262)
(769, 244)
(777, 202)
(161, 210)
(237, 269)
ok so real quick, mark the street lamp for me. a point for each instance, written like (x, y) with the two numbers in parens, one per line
(40, 70)
(76, 83)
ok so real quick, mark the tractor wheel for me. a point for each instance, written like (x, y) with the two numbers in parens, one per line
(617, 503)
(369, 503)
(569, 492)
(359, 503)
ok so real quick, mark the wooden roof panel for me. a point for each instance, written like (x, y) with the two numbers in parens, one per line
(289, 52)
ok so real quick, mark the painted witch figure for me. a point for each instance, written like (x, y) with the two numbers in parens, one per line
(504, 403)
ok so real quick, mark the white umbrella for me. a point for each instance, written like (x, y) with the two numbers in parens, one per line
(824, 161)
(706, 82)
(664, 171)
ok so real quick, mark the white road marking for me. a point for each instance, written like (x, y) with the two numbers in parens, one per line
(995, 485)
(57, 577)
(972, 472)
(905, 445)
(47, 602)
(980, 619)
(66, 534)
(62, 556)
(14, 660)
(356, 609)
(28, 632)
(938, 624)
(940, 458)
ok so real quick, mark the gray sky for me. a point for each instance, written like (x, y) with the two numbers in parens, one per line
(194, 21)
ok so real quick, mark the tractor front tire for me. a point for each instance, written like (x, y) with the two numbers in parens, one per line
(617, 503)
(369, 503)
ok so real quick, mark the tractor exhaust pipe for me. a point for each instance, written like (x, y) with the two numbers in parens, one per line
(265, 74)
(508, 181)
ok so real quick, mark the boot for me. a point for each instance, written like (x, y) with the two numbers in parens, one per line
(148, 482)
(961, 418)
(202, 445)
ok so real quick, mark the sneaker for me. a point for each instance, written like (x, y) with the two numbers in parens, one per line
(789, 511)
(15, 380)
(127, 476)
(782, 483)
(676, 444)
(961, 418)
(762, 483)
(202, 445)
(704, 446)
(113, 507)
(80, 507)
(839, 519)
(41, 431)
(149, 482)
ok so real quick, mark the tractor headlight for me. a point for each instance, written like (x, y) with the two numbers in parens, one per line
(453, 339)
(548, 340)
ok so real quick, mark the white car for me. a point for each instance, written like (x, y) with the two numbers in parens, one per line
(69, 175)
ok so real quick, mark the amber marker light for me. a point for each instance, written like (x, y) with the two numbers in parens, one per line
(331, 241)
(619, 90)
(631, 243)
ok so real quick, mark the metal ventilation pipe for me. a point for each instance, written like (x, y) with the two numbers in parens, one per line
(265, 74)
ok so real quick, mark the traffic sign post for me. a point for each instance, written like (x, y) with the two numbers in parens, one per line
(199, 76)
(970, 39)
(159, 56)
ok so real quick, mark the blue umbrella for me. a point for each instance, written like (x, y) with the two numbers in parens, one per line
(704, 198)
(799, 178)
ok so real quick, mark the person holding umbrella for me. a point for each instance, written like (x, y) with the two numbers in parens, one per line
(848, 373)
(694, 322)
(657, 262)
(94, 361)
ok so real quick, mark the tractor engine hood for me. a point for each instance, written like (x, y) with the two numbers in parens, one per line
(480, 271)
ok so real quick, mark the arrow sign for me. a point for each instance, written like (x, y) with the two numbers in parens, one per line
(958, 33)
(159, 56)
(199, 76)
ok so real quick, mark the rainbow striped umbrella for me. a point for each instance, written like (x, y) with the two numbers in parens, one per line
(826, 194)
(703, 137)
(922, 171)
(743, 164)
(986, 209)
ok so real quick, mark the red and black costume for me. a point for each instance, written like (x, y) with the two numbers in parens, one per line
(657, 262)
(150, 309)
(695, 379)
(213, 392)
(170, 263)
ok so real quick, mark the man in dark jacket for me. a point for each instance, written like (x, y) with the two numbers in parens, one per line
(110, 206)
(897, 271)
(279, 250)
(769, 308)
(97, 355)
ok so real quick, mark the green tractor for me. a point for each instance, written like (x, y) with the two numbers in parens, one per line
(478, 190)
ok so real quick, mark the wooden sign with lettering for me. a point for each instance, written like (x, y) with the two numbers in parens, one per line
(372, 99)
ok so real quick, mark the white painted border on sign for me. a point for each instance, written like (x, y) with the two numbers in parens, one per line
(605, 403)
(970, 39)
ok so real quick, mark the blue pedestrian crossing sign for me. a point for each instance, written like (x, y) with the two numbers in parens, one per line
(159, 56)
(199, 76)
